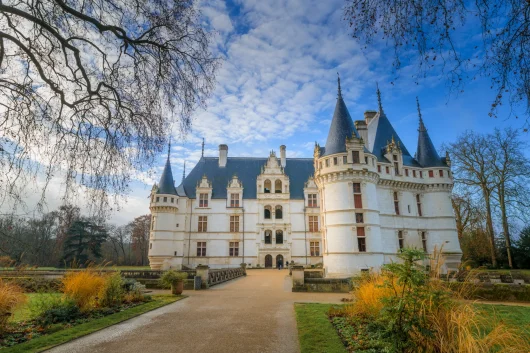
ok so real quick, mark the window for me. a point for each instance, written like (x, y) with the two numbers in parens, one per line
(431, 173)
(153, 222)
(267, 214)
(379, 169)
(421, 174)
(406, 172)
(165, 199)
(279, 237)
(365, 160)
(401, 241)
(418, 203)
(314, 247)
(359, 218)
(387, 169)
(311, 200)
(172, 200)
(203, 200)
(234, 200)
(441, 173)
(355, 157)
(396, 168)
(344, 160)
(357, 197)
(157, 199)
(267, 186)
(335, 161)
(396, 202)
(234, 248)
(150, 246)
(201, 248)
(373, 161)
(278, 186)
(361, 239)
(394, 157)
(327, 162)
(268, 237)
(203, 224)
(234, 223)
(414, 173)
(279, 213)
(424, 241)
(313, 223)
(174, 253)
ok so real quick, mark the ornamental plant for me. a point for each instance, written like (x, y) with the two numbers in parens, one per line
(11, 296)
(173, 278)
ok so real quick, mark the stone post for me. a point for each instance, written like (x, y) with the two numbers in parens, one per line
(244, 267)
(203, 271)
(298, 276)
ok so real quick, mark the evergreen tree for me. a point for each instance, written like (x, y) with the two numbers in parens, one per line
(522, 249)
(83, 241)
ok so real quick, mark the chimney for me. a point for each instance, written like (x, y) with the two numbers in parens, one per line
(362, 129)
(282, 155)
(369, 115)
(223, 155)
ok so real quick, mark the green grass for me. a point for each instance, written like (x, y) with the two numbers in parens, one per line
(516, 316)
(23, 312)
(42, 343)
(315, 332)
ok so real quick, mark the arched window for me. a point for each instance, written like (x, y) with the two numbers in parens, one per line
(267, 213)
(268, 237)
(279, 213)
(279, 237)
(267, 186)
(278, 186)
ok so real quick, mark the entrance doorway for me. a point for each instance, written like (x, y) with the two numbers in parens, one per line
(279, 259)
(268, 261)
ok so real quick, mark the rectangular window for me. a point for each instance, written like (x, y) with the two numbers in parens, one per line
(172, 200)
(234, 200)
(313, 223)
(394, 157)
(418, 203)
(157, 199)
(357, 196)
(441, 173)
(414, 173)
(327, 162)
(355, 157)
(431, 173)
(396, 202)
(406, 172)
(234, 248)
(344, 160)
(234, 223)
(165, 199)
(311, 200)
(396, 168)
(379, 169)
(335, 161)
(150, 245)
(203, 200)
(315, 248)
(365, 160)
(361, 239)
(203, 224)
(401, 241)
(359, 218)
(421, 174)
(387, 169)
(201, 248)
(424, 241)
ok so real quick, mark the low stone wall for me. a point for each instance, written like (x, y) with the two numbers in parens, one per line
(313, 273)
(155, 284)
(325, 285)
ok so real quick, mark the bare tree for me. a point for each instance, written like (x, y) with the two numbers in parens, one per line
(140, 227)
(89, 89)
(427, 33)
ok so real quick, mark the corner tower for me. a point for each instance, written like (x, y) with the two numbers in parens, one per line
(346, 177)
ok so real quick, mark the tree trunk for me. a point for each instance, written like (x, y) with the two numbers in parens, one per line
(489, 224)
(505, 227)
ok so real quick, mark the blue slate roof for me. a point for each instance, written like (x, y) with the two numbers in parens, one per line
(167, 184)
(342, 127)
(426, 153)
(247, 170)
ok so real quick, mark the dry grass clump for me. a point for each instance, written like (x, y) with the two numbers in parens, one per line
(367, 296)
(84, 287)
(11, 296)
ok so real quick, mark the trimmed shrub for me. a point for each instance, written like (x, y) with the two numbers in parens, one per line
(11, 296)
(83, 287)
(64, 310)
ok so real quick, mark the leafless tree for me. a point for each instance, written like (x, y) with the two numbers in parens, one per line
(89, 90)
(430, 33)
(140, 227)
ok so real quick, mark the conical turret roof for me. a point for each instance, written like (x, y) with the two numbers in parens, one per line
(341, 127)
(167, 185)
(426, 153)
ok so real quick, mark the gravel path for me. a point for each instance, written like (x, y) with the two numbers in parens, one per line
(249, 314)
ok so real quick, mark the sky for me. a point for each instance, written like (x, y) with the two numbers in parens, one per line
(278, 85)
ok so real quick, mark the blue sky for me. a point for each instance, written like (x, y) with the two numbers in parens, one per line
(278, 85)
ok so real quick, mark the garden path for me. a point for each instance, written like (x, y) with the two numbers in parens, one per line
(249, 314)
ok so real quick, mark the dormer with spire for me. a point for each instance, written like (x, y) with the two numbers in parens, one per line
(426, 154)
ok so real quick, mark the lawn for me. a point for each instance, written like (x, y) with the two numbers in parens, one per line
(61, 336)
(24, 312)
(316, 333)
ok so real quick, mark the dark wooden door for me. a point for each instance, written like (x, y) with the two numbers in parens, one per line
(268, 261)
(279, 259)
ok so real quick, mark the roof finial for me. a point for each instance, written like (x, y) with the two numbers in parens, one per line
(184, 171)
(202, 152)
(422, 126)
(338, 80)
(379, 98)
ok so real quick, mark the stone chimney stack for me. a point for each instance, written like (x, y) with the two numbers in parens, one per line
(283, 159)
(223, 155)
(369, 115)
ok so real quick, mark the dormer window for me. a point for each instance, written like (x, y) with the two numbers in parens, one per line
(234, 200)
(396, 164)
(267, 186)
(278, 186)
(355, 157)
(203, 200)
(311, 200)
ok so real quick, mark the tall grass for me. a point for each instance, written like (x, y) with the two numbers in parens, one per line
(84, 288)
(11, 296)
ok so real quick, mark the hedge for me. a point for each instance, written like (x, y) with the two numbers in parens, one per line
(35, 284)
